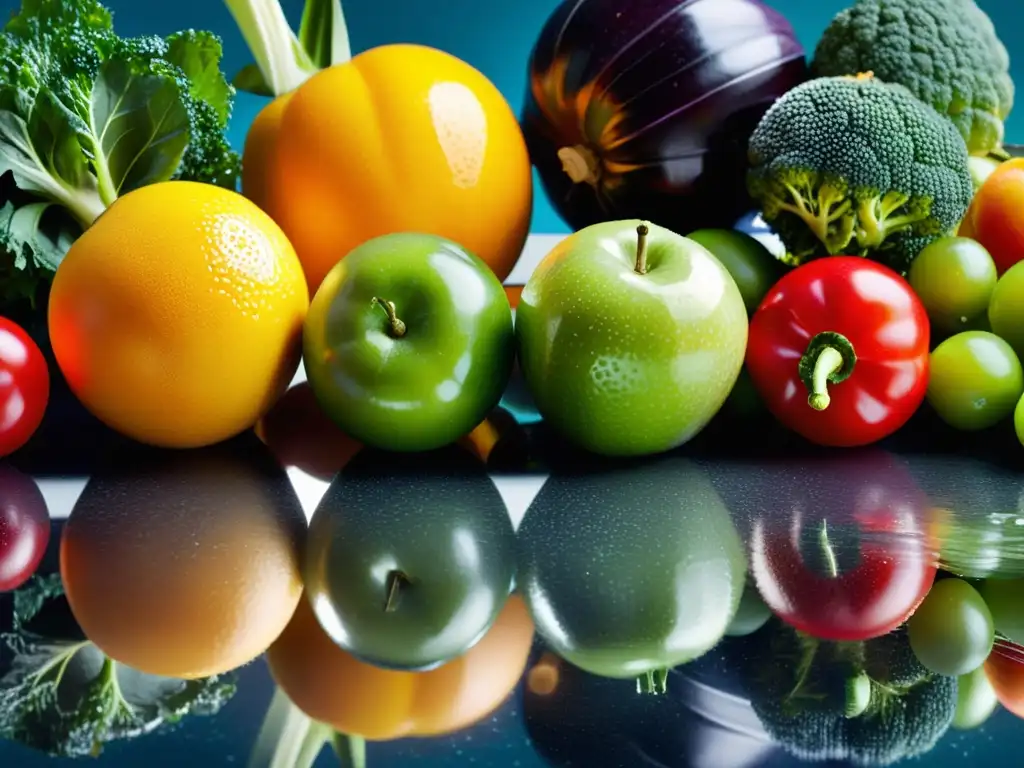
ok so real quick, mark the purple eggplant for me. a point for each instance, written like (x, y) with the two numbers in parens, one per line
(644, 109)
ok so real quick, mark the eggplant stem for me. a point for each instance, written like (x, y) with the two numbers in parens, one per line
(580, 164)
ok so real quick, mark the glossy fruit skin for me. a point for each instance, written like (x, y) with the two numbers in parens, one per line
(358, 699)
(658, 100)
(975, 701)
(624, 364)
(24, 387)
(1006, 309)
(201, 548)
(954, 277)
(177, 317)
(1018, 420)
(260, 144)
(994, 218)
(630, 569)
(951, 632)
(435, 518)
(748, 262)
(872, 308)
(874, 517)
(430, 386)
(1004, 668)
(24, 527)
(400, 123)
(1005, 600)
(976, 380)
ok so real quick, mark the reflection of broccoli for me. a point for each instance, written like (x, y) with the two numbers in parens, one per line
(855, 166)
(61, 695)
(870, 703)
(945, 51)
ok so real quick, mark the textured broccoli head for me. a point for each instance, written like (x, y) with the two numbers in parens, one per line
(945, 51)
(856, 166)
(869, 703)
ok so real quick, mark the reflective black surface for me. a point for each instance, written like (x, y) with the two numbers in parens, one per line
(925, 505)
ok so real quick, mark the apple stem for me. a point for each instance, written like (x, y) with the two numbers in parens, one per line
(641, 248)
(396, 328)
(395, 581)
(829, 359)
(654, 681)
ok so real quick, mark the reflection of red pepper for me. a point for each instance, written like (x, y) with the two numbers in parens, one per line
(850, 323)
(843, 552)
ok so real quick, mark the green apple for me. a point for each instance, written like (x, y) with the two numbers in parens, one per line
(630, 337)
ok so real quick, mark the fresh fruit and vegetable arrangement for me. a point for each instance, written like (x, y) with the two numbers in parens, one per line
(367, 231)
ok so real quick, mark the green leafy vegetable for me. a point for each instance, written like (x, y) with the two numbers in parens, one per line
(61, 695)
(87, 116)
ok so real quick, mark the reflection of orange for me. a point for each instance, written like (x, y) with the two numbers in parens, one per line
(403, 138)
(300, 435)
(333, 687)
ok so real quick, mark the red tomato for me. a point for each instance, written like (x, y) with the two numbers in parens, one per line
(838, 350)
(1004, 668)
(24, 387)
(844, 552)
(24, 528)
(996, 216)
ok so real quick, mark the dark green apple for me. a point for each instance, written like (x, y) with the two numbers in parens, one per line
(410, 557)
(628, 571)
(630, 337)
(408, 343)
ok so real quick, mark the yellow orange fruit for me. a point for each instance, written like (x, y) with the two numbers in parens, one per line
(185, 563)
(177, 317)
(260, 142)
(403, 138)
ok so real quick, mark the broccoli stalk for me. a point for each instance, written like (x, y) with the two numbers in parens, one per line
(284, 60)
(63, 696)
(870, 703)
(288, 738)
(855, 166)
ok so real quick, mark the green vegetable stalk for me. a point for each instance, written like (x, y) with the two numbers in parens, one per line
(284, 60)
(290, 739)
(87, 116)
(62, 696)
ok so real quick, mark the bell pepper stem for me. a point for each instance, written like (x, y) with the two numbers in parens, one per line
(396, 328)
(829, 361)
(653, 681)
(395, 581)
(641, 248)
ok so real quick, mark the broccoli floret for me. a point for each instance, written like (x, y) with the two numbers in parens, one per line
(870, 703)
(945, 51)
(856, 166)
(63, 696)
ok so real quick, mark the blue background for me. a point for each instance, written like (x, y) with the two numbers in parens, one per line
(495, 36)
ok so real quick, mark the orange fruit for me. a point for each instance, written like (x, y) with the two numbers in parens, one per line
(260, 142)
(403, 138)
(177, 317)
(185, 563)
(995, 218)
(355, 698)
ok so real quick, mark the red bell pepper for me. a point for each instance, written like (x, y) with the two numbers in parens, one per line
(843, 550)
(838, 350)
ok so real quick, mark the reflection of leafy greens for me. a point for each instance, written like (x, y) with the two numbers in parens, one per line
(60, 694)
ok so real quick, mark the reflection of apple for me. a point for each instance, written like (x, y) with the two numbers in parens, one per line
(300, 435)
(630, 337)
(24, 527)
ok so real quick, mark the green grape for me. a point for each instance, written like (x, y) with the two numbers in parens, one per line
(954, 277)
(952, 631)
(975, 380)
(1006, 308)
